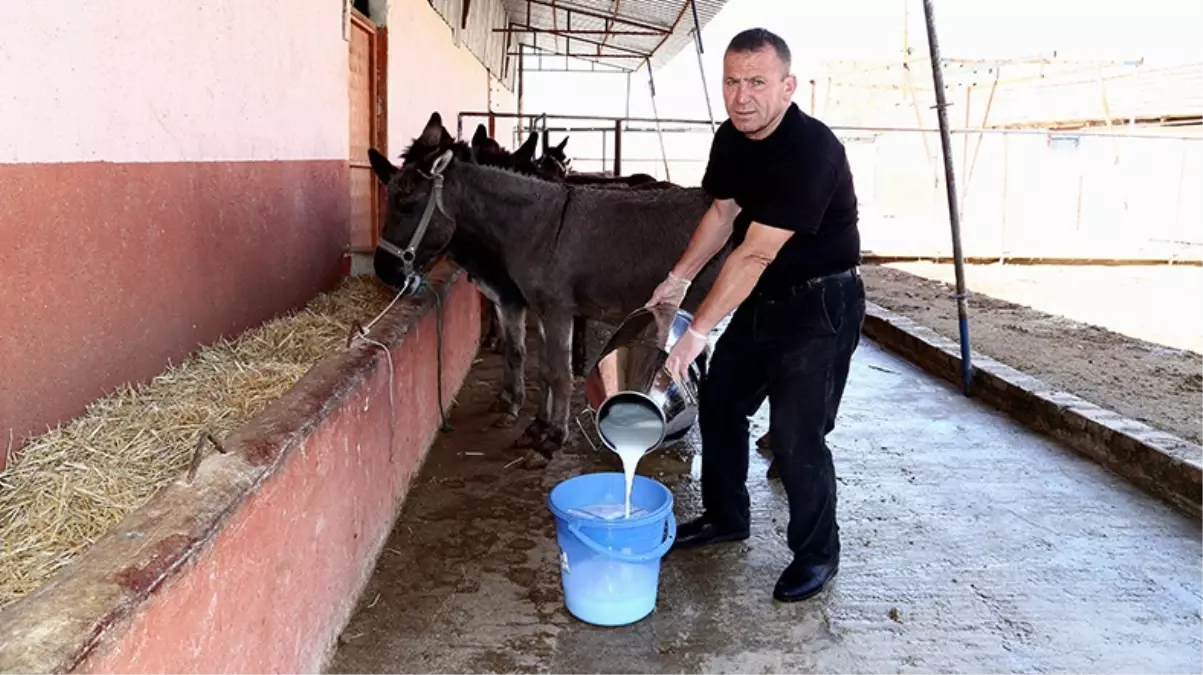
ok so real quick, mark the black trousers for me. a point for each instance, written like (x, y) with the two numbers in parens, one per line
(795, 350)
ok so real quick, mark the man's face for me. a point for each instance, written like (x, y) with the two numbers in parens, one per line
(757, 90)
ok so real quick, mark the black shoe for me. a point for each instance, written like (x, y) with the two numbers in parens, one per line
(701, 532)
(802, 580)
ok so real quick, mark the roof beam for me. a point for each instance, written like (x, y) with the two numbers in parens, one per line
(614, 8)
(543, 52)
(567, 7)
(586, 55)
(684, 6)
(587, 41)
(576, 31)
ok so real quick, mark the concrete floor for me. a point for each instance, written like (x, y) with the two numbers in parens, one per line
(970, 545)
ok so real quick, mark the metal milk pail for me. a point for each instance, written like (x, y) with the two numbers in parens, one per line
(631, 369)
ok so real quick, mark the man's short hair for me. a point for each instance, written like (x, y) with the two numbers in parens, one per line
(755, 39)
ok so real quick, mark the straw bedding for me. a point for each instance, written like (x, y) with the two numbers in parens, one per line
(69, 486)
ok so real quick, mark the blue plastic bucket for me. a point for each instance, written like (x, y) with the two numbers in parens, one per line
(610, 569)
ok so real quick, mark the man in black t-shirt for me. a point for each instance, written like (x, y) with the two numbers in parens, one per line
(783, 190)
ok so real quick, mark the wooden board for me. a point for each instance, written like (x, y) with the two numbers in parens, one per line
(365, 120)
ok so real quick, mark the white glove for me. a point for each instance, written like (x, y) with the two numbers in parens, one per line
(671, 291)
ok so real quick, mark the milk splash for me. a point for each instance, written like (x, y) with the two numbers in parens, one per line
(632, 428)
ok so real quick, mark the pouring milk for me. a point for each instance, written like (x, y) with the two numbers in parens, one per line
(632, 428)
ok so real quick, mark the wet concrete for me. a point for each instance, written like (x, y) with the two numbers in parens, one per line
(970, 545)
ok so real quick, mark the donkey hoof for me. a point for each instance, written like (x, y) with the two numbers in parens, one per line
(533, 434)
(506, 421)
(535, 460)
(501, 404)
(552, 441)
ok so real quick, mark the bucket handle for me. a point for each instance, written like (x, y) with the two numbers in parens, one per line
(582, 427)
(653, 554)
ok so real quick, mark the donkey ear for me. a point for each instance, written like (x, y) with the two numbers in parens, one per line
(564, 142)
(383, 168)
(434, 132)
(480, 137)
(527, 150)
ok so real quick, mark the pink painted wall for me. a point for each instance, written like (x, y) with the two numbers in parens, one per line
(191, 81)
(257, 564)
(154, 152)
(162, 149)
(314, 528)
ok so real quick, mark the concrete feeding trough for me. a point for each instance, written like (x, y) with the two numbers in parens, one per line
(253, 558)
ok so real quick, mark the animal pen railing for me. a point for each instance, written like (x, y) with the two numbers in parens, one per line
(1024, 194)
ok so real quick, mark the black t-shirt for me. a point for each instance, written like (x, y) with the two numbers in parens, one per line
(798, 178)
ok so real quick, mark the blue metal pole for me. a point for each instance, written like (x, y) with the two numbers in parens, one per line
(951, 185)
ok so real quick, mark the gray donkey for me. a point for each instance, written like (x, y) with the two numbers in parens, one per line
(488, 151)
(554, 248)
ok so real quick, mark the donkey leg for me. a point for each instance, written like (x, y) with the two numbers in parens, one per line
(543, 414)
(491, 340)
(579, 328)
(494, 336)
(558, 339)
(537, 430)
(512, 329)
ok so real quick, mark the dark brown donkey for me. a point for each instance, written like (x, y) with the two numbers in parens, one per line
(560, 250)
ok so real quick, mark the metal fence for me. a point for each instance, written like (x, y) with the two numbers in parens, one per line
(1127, 195)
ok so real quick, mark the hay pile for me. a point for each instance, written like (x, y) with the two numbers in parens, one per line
(69, 486)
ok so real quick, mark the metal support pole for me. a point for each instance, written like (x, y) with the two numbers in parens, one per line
(1006, 172)
(617, 147)
(521, 79)
(950, 185)
(628, 112)
(697, 42)
(651, 83)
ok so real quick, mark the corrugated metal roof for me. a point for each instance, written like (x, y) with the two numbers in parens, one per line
(1028, 94)
(479, 35)
(622, 34)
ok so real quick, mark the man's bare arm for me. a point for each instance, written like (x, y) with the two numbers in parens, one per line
(711, 234)
(739, 274)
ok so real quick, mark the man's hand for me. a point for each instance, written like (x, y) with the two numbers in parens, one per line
(671, 291)
(712, 232)
(684, 353)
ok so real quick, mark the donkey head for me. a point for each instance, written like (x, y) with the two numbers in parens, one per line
(554, 164)
(483, 146)
(489, 152)
(524, 156)
(417, 228)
